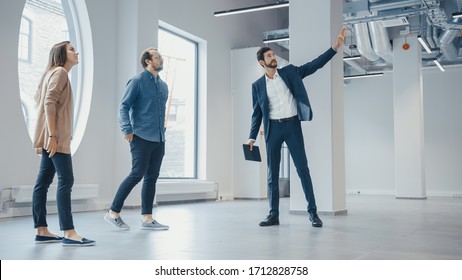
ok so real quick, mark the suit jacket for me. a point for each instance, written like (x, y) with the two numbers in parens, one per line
(293, 78)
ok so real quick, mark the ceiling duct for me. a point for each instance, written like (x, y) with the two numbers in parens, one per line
(447, 45)
(429, 36)
(380, 41)
(394, 22)
(393, 4)
(280, 37)
(459, 4)
(387, 10)
(357, 8)
(363, 42)
(435, 36)
(431, 19)
(451, 28)
(438, 16)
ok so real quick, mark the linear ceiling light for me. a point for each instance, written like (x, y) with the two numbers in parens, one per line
(252, 9)
(439, 65)
(424, 44)
(457, 15)
(363, 76)
(353, 57)
(280, 39)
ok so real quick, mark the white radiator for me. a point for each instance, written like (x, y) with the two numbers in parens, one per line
(23, 193)
(185, 186)
(185, 190)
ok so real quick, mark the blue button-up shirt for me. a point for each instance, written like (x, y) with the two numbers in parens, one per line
(142, 109)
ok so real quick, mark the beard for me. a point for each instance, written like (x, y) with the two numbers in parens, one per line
(158, 69)
(273, 64)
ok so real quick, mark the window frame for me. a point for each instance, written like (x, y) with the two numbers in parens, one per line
(28, 59)
(181, 34)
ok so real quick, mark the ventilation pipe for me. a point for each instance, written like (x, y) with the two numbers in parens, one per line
(435, 36)
(459, 4)
(429, 36)
(380, 41)
(392, 4)
(447, 45)
(363, 42)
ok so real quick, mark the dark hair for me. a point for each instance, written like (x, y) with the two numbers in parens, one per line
(57, 57)
(146, 55)
(261, 53)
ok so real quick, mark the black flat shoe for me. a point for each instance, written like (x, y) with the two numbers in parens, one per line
(78, 243)
(39, 239)
(269, 221)
(315, 220)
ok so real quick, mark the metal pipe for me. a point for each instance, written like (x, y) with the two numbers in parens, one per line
(447, 46)
(393, 4)
(435, 36)
(429, 36)
(459, 4)
(382, 17)
(363, 42)
(380, 41)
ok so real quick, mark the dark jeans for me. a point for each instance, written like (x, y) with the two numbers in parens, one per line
(62, 165)
(291, 133)
(146, 161)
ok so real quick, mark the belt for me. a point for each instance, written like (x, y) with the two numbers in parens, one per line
(286, 119)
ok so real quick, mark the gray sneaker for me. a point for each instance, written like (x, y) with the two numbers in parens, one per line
(154, 225)
(118, 222)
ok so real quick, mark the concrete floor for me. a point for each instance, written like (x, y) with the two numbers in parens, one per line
(376, 228)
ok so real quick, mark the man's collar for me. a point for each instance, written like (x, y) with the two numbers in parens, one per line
(150, 75)
(276, 74)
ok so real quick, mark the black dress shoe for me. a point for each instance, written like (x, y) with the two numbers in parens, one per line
(269, 221)
(315, 220)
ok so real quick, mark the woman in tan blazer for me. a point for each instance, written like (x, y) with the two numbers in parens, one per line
(52, 140)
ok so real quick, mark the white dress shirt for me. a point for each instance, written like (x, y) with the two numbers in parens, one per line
(281, 101)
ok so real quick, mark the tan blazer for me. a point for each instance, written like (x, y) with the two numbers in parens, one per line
(54, 97)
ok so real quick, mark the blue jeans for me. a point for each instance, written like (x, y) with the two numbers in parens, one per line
(146, 162)
(291, 133)
(62, 165)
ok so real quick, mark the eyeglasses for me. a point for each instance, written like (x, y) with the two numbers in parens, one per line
(159, 57)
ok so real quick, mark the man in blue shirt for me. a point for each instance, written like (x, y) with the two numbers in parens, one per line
(142, 121)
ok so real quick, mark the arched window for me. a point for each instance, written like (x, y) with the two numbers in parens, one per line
(43, 24)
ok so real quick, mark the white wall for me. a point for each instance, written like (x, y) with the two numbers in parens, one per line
(369, 150)
(369, 133)
(443, 131)
(15, 142)
(249, 177)
(94, 160)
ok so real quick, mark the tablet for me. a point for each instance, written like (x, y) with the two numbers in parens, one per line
(253, 155)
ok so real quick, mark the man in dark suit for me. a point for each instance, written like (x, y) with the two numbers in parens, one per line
(281, 101)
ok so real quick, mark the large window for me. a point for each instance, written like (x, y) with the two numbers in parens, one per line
(43, 24)
(180, 73)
